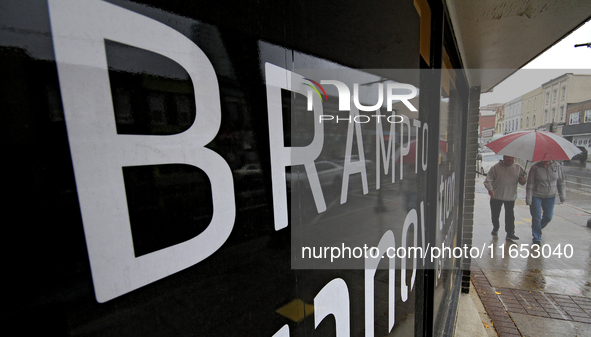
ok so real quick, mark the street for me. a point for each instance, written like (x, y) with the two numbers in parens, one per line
(578, 184)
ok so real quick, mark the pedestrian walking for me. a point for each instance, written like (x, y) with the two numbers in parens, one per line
(501, 183)
(544, 180)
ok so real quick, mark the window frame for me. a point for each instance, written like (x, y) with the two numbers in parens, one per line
(572, 120)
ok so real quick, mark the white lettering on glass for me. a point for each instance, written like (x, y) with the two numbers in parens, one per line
(358, 166)
(388, 241)
(282, 156)
(79, 30)
(333, 299)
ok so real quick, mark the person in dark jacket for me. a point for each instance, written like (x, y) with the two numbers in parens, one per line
(544, 180)
(501, 183)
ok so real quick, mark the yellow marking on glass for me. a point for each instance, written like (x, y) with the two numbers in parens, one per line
(422, 7)
(296, 310)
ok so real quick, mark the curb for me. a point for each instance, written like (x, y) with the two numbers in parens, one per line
(579, 209)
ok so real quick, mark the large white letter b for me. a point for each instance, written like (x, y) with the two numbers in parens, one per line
(79, 29)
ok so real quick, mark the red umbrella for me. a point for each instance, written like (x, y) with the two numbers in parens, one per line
(534, 145)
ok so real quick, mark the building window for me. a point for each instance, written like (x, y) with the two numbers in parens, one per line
(547, 97)
(527, 122)
(563, 93)
(553, 114)
(561, 113)
(520, 124)
(554, 95)
(534, 122)
(587, 116)
(574, 118)
(546, 116)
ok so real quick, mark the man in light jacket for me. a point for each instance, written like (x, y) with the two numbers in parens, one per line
(501, 183)
(544, 180)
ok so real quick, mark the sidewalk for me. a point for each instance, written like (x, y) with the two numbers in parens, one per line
(545, 296)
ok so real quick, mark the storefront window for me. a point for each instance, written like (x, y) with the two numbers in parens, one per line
(452, 105)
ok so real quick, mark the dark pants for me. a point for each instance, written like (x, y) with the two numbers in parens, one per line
(495, 210)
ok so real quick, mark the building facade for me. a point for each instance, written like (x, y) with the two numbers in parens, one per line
(531, 109)
(578, 124)
(557, 93)
(486, 121)
(513, 118)
(500, 119)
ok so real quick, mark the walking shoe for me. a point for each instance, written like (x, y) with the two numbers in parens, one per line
(494, 232)
(536, 242)
(512, 237)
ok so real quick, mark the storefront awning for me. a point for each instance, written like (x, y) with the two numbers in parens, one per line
(504, 35)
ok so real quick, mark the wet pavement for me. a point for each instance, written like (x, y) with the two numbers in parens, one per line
(529, 291)
(578, 185)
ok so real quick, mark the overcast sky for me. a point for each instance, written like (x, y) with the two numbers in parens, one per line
(561, 58)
